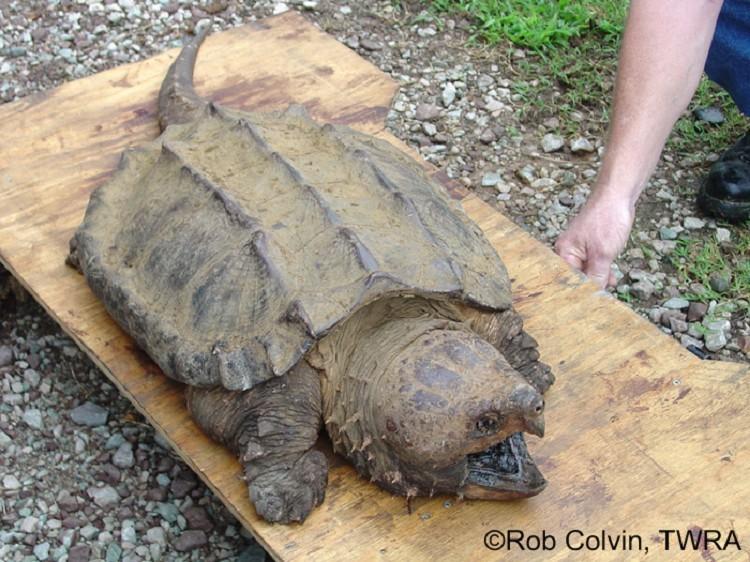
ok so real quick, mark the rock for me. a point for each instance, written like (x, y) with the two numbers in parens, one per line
(655, 314)
(66, 501)
(666, 233)
(696, 311)
(552, 142)
(636, 274)
(669, 315)
(12, 399)
(156, 494)
(565, 199)
(5, 440)
(715, 341)
(280, 8)
(743, 342)
(32, 378)
(197, 518)
(642, 289)
(109, 474)
(33, 418)
(181, 487)
(717, 325)
(712, 115)
(104, 497)
(527, 174)
(114, 551)
(29, 524)
(488, 136)
(10, 482)
(503, 188)
(449, 94)
(490, 179)
(427, 112)
(720, 282)
(89, 532)
(370, 45)
(663, 247)
(253, 553)
(167, 511)
(677, 325)
(429, 129)
(581, 144)
(89, 414)
(190, 540)
(693, 223)
(6, 356)
(686, 341)
(493, 105)
(156, 535)
(79, 553)
(41, 551)
(128, 535)
(723, 235)
(676, 303)
(123, 457)
(543, 183)
(485, 82)
(114, 441)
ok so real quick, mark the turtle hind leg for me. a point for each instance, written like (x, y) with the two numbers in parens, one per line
(273, 429)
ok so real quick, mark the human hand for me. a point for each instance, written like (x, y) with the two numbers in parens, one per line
(596, 235)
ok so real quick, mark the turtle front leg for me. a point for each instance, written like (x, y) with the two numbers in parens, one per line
(272, 428)
(504, 330)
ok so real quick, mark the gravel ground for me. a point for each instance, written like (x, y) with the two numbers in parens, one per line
(83, 476)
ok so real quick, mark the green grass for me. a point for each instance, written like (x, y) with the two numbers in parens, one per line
(537, 24)
(567, 42)
(572, 49)
(694, 137)
(697, 259)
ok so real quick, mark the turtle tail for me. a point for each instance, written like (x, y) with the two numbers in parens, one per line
(178, 102)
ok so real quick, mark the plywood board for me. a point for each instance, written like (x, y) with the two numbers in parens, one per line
(641, 435)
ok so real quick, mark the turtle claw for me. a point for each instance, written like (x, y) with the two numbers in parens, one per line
(289, 495)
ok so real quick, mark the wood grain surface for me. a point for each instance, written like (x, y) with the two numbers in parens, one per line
(641, 435)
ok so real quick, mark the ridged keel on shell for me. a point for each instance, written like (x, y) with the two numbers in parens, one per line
(231, 244)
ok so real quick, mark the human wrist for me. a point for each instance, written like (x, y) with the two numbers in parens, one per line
(620, 182)
(620, 194)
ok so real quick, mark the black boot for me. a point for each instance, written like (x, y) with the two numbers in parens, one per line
(726, 192)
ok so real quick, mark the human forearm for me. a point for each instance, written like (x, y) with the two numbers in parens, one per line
(664, 50)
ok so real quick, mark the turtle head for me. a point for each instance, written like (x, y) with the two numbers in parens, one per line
(448, 413)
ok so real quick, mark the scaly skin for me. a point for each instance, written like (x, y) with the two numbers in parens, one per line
(409, 391)
(272, 428)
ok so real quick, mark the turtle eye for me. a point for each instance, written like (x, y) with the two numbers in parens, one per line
(489, 423)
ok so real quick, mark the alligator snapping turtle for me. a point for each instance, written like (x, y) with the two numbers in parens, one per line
(293, 275)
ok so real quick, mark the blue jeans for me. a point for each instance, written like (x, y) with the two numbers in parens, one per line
(728, 62)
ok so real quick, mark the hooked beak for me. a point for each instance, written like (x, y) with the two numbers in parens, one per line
(535, 425)
(530, 406)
